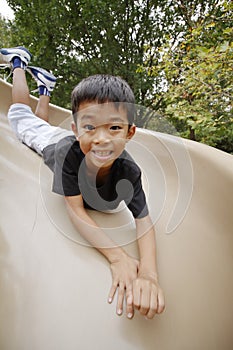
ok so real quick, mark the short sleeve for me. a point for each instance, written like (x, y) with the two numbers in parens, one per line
(138, 205)
(65, 164)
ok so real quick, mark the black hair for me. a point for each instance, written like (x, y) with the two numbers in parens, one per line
(104, 88)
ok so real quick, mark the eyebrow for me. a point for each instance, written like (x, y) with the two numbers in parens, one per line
(116, 119)
(113, 119)
(87, 117)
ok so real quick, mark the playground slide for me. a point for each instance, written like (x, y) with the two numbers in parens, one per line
(54, 287)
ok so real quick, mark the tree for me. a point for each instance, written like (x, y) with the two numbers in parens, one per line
(5, 39)
(5, 32)
(197, 76)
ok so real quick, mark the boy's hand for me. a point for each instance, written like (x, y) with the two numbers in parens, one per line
(124, 271)
(148, 297)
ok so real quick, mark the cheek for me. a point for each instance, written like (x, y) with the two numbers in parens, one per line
(84, 144)
(119, 144)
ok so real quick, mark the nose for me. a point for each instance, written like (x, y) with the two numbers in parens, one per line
(101, 135)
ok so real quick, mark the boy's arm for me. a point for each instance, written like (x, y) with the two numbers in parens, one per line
(123, 267)
(147, 294)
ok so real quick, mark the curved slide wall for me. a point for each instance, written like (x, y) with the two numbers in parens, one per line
(53, 287)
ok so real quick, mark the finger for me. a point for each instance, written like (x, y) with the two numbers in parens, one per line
(153, 305)
(161, 302)
(145, 301)
(112, 292)
(129, 302)
(120, 298)
(136, 294)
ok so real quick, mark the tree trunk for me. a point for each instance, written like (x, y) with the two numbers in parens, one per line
(192, 134)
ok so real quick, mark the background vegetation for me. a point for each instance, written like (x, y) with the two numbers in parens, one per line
(177, 56)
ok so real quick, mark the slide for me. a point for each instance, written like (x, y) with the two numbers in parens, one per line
(54, 286)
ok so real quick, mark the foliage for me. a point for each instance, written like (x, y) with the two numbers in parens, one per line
(197, 76)
(5, 38)
(5, 31)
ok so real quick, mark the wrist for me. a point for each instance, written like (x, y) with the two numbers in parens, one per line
(114, 254)
(147, 272)
(149, 276)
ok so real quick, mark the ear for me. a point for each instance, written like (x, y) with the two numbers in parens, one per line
(74, 129)
(131, 132)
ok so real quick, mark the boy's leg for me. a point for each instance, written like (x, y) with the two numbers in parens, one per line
(17, 58)
(31, 130)
(46, 83)
(20, 91)
(42, 108)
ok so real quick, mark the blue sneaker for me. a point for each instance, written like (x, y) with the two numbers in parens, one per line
(42, 77)
(7, 55)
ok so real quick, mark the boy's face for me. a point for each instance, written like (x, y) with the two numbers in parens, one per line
(102, 131)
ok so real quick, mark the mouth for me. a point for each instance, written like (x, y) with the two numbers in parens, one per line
(102, 155)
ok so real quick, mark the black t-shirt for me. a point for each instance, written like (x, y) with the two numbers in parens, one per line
(123, 183)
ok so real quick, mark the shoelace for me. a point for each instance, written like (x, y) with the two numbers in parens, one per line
(4, 66)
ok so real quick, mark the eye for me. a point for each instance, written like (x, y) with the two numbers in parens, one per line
(88, 127)
(116, 127)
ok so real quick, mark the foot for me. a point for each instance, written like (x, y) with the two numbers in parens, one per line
(42, 77)
(8, 55)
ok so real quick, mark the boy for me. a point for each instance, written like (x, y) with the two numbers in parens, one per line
(92, 170)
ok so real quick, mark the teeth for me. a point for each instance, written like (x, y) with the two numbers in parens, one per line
(102, 153)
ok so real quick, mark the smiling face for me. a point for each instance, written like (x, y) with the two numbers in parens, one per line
(102, 131)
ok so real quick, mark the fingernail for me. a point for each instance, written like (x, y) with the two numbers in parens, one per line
(109, 300)
(130, 315)
(119, 311)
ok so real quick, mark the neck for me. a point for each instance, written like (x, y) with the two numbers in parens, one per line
(98, 175)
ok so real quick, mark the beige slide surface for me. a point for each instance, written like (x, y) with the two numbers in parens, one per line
(54, 288)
